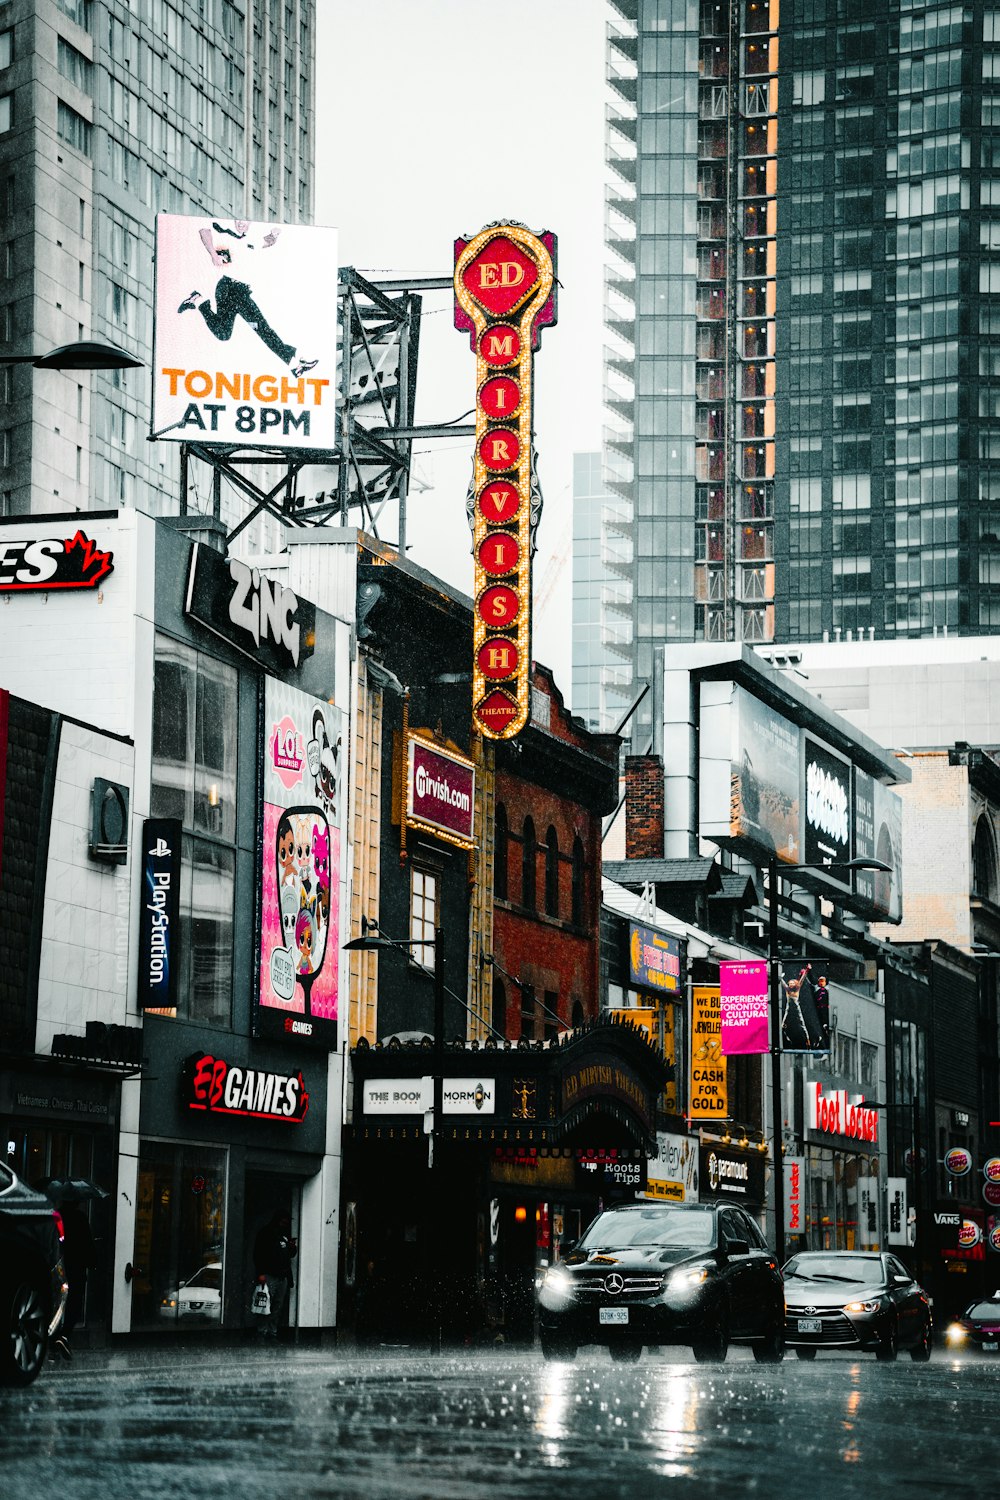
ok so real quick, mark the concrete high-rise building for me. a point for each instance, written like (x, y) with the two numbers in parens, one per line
(806, 361)
(602, 608)
(110, 111)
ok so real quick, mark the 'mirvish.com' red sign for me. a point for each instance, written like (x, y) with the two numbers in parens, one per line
(440, 792)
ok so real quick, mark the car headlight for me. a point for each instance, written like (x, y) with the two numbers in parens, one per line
(873, 1304)
(956, 1334)
(688, 1279)
(169, 1302)
(556, 1289)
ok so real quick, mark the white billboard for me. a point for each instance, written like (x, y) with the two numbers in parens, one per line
(245, 333)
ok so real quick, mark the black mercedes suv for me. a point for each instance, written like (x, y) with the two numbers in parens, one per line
(33, 1286)
(651, 1273)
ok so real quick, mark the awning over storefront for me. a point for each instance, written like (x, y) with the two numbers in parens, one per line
(602, 1079)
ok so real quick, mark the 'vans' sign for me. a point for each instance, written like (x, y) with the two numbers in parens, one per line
(256, 614)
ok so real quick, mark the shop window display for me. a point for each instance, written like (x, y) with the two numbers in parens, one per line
(180, 1223)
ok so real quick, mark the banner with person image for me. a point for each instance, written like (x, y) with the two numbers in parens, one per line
(300, 877)
(804, 1003)
(245, 333)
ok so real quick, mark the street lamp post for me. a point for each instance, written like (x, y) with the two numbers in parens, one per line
(85, 354)
(774, 987)
(373, 945)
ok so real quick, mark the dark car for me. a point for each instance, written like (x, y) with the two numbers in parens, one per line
(649, 1274)
(33, 1287)
(978, 1328)
(855, 1299)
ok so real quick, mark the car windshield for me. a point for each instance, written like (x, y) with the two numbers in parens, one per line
(988, 1309)
(208, 1276)
(650, 1226)
(852, 1268)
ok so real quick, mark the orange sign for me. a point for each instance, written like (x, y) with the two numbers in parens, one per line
(504, 296)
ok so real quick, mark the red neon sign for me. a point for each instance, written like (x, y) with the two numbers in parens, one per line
(223, 1088)
(504, 296)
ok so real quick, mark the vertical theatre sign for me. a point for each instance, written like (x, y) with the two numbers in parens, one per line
(504, 296)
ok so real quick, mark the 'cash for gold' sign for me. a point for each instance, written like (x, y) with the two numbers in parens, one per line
(709, 1092)
(504, 296)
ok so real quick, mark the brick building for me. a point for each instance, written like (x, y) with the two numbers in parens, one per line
(553, 786)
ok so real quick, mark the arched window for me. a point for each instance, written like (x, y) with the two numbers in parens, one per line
(552, 873)
(579, 883)
(501, 849)
(577, 1018)
(984, 861)
(499, 1018)
(528, 1012)
(529, 893)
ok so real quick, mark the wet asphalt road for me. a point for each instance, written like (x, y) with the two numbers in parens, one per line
(495, 1426)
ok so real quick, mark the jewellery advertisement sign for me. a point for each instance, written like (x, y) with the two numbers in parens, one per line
(505, 281)
(709, 1091)
(300, 876)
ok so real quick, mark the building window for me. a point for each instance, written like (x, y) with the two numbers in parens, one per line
(578, 1016)
(550, 1019)
(423, 915)
(869, 1067)
(194, 779)
(499, 1018)
(6, 112)
(552, 873)
(529, 851)
(984, 861)
(528, 1012)
(579, 883)
(74, 66)
(77, 10)
(6, 47)
(73, 128)
(501, 853)
(847, 1056)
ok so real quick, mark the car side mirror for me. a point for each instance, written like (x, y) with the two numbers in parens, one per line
(738, 1247)
(898, 1280)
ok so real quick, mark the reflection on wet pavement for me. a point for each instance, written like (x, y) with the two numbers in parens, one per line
(254, 1423)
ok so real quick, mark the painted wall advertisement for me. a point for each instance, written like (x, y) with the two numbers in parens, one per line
(709, 1093)
(300, 866)
(743, 991)
(245, 335)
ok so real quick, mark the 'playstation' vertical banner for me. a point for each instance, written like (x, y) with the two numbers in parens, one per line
(159, 914)
(245, 333)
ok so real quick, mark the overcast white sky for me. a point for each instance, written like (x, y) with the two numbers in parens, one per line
(435, 117)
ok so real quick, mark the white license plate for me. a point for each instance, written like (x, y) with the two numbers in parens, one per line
(810, 1325)
(613, 1315)
(990, 1348)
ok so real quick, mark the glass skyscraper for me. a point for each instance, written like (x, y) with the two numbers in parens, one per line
(804, 377)
(111, 110)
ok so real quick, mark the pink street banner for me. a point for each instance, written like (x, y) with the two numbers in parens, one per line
(743, 1003)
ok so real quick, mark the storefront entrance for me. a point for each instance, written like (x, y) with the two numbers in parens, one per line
(180, 1225)
(265, 1194)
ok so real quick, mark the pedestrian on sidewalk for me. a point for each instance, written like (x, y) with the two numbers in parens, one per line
(273, 1252)
(78, 1258)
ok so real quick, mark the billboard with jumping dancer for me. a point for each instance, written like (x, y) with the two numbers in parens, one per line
(245, 333)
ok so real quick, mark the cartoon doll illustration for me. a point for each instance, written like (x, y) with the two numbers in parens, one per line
(323, 758)
(304, 832)
(321, 859)
(289, 914)
(305, 933)
(286, 852)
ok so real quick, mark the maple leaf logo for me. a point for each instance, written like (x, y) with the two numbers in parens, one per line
(93, 564)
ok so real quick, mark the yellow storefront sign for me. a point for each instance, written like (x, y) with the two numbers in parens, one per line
(649, 1021)
(709, 1093)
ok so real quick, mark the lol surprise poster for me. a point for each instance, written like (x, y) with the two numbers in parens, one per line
(300, 866)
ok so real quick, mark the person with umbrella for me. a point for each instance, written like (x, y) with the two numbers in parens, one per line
(68, 1193)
